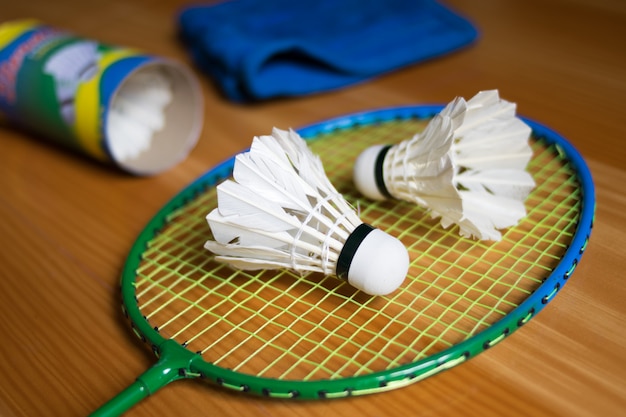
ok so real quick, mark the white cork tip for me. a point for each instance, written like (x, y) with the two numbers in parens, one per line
(364, 173)
(380, 264)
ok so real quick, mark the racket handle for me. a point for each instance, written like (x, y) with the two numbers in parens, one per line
(172, 359)
(123, 401)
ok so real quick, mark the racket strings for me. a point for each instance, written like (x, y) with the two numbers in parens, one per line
(280, 325)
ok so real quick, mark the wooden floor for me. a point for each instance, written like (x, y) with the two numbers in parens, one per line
(67, 223)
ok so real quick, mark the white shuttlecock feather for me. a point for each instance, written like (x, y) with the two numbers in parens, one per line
(467, 167)
(281, 211)
(137, 113)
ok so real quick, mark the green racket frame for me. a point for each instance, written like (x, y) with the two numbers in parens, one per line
(176, 361)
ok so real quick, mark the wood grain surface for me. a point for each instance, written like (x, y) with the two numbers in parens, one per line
(67, 223)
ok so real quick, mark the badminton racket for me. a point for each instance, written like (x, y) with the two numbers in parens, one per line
(282, 335)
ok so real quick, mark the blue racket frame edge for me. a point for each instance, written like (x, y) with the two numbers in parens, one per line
(537, 301)
(406, 374)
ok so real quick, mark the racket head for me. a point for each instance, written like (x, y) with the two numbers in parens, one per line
(280, 335)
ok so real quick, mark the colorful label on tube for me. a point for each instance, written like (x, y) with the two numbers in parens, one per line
(60, 85)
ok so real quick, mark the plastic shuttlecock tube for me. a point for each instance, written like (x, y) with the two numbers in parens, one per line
(281, 211)
(468, 167)
(114, 104)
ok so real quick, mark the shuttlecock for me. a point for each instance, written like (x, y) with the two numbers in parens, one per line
(281, 211)
(137, 112)
(467, 167)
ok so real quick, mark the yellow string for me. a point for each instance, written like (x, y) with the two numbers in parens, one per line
(282, 325)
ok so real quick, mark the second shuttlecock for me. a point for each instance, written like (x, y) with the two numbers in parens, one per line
(281, 211)
(467, 167)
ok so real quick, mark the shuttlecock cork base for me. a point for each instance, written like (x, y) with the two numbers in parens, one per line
(372, 261)
(467, 167)
(369, 176)
(281, 211)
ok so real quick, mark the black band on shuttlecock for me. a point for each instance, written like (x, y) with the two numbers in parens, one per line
(349, 249)
(378, 172)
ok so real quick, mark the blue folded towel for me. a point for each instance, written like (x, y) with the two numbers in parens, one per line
(258, 49)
